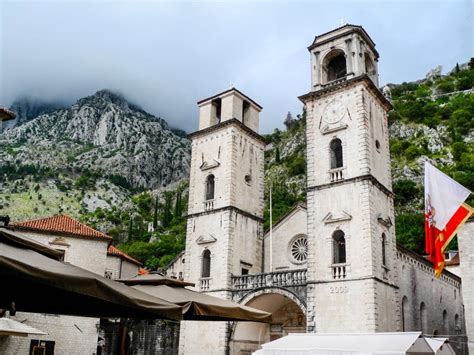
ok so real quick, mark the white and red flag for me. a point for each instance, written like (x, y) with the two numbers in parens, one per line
(445, 213)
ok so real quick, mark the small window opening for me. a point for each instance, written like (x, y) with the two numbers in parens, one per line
(377, 145)
(248, 179)
(336, 153)
(245, 111)
(445, 322)
(423, 318)
(206, 263)
(245, 271)
(384, 258)
(210, 186)
(336, 67)
(339, 247)
(369, 65)
(404, 315)
(217, 103)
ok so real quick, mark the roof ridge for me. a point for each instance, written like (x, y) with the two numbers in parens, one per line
(113, 250)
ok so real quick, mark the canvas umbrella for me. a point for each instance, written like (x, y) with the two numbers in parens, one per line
(196, 306)
(34, 282)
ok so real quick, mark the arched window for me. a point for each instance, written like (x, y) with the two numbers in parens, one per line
(210, 187)
(369, 65)
(457, 324)
(384, 258)
(336, 153)
(339, 247)
(423, 318)
(335, 66)
(445, 322)
(404, 313)
(206, 264)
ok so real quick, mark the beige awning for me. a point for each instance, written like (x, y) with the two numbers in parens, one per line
(12, 327)
(196, 305)
(33, 282)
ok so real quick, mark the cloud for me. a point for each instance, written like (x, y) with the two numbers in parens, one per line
(165, 56)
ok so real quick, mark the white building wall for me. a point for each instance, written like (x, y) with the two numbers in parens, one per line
(466, 254)
(120, 268)
(283, 234)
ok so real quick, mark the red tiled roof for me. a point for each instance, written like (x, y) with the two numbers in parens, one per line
(116, 252)
(60, 224)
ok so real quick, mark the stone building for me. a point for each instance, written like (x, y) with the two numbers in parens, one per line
(82, 246)
(334, 265)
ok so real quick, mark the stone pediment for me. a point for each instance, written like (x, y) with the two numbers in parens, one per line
(326, 129)
(337, 217)
(387, 222)
(209, 165)
(59, 241)
(206, 239)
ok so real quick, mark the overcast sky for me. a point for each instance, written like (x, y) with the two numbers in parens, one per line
(165, 56)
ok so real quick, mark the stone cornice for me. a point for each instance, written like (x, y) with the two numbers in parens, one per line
(375, 278)
(232, 122)
(344, 84)
(226, 208)
(367, 177)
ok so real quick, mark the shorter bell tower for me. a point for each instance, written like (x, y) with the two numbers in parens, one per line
(225, 212)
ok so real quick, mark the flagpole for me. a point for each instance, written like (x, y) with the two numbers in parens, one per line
(271, 231)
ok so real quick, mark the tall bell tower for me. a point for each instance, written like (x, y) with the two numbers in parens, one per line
(225, 213)
(352, 273)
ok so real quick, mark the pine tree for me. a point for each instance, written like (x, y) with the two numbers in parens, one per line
(177, 207)
(130, 229)
(277, 155)
(155, 214)
(167, 216)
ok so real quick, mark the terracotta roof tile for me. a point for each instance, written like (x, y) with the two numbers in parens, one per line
(60, 224)
(116, 252)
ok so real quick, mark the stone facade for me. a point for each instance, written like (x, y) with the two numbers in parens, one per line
(175, 268)
(466, 251)
(286, 233)
(225, 208)
(351, 276)
(117, 267)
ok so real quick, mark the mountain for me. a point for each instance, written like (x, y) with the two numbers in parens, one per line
(102, 132)
(99, 150)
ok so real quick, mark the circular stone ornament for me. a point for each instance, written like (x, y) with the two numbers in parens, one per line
(298, 249)
(334, 112)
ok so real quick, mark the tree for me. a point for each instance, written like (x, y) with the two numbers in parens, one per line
(130, 229)
(155, 214)
(167, 216)
(277, 154)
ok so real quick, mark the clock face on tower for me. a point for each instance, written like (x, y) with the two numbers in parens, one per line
(334, 112)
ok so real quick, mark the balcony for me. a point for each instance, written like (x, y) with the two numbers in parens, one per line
(271, 279)
(208, 205)
(204, 283)
(339, 271)
(336, 174)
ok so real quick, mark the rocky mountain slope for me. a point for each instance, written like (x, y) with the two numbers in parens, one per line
(92, 154)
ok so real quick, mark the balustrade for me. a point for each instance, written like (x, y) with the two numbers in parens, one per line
(336, 174)
(339, 271)
(208, 205)
(277, 278)
(204, 283)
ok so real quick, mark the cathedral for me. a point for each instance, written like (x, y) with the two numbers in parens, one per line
(332, 264)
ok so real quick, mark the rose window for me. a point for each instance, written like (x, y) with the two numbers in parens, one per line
(299, 249)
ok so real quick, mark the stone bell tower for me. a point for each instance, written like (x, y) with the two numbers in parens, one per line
(225, 213)
(352, 271)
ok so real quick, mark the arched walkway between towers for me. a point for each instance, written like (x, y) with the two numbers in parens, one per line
(288, 316)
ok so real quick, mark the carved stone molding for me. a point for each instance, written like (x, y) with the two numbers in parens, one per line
(337, 217)
(206, 166)
(206, 239)
(386, 222)
(60, 241)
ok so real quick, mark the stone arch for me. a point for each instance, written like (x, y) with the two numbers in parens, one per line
(289, 316)
(334, 66)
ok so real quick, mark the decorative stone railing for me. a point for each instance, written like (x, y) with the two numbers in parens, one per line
(204, 283)
(336, 174)
(339, 271)
(208, 205)
(277, 278)
(334, 82)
